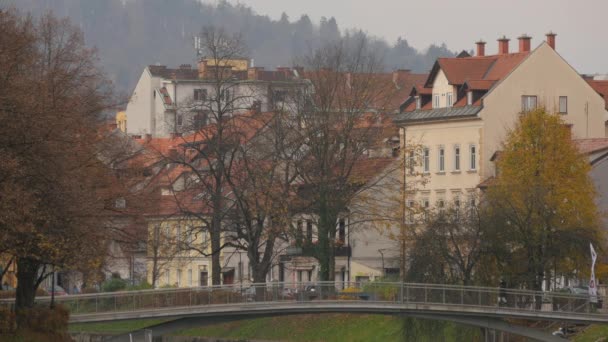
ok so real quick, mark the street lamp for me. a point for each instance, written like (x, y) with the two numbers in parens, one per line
(381, 251)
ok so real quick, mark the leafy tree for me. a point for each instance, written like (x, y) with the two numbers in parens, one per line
(54, 186)
(543, 202)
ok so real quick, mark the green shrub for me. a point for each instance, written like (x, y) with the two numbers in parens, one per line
(141, 286)
(113, 285)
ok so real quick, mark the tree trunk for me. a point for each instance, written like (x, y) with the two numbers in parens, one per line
(216, 266)
(27, 283)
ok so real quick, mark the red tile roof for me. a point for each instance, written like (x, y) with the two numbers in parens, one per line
(480, 84)
(460, 70)
(587, 146)
(601, 87)
(179, 73)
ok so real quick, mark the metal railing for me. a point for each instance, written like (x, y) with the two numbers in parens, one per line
(452, 297)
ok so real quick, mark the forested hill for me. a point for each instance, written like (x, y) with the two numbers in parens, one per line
(131, 34)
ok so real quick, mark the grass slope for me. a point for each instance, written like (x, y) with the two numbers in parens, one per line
(593, 333)
(336, 327)
(118, 327)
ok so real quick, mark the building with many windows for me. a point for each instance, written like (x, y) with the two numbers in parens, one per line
(462, 112)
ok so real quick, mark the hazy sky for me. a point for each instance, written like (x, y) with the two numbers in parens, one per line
(581, 25)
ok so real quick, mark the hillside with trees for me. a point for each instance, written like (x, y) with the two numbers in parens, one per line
(130, 34)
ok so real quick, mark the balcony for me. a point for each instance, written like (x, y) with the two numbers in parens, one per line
(309, 250)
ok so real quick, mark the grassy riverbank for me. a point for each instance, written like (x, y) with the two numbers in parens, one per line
(336, 327)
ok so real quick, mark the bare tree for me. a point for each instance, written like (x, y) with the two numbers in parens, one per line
(209, 151)
(262, 190)
(336, 117)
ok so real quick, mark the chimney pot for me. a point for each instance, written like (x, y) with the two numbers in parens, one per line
(551, 39)
(503, 45)
(481, 48)
(524, 43)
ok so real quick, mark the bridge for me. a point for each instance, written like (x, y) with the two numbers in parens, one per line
(489, 308)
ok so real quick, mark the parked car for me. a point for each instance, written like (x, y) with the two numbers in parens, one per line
(288, 293)
(308, 292)
(59, 291)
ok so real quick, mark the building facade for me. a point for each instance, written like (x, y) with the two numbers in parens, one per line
(463, 111)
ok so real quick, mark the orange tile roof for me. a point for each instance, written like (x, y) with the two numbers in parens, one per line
(587, 146)
(365, 169)
(480, 84)
(601, 87)
(460, 70)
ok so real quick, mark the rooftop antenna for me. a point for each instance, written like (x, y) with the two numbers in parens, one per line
(198, 46)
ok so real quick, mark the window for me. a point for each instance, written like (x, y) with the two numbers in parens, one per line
(179, 278)
(411, 162)
(449, 99)
(426, 205)
(309, 230)
(436, 101)
(167, 277)
(200, 95)
(473, 150)
(180, 120)
(178, 236)
(410, 212)
(203, 279)
(299, 232)
(441, 159)
(469, 98)
(457, 158)
(441, 206)
(418, 102)
(563, 104)
(190, 277)
(120, 203)
(528, 103)
(342, 231)
(279, 95)
(427, 164)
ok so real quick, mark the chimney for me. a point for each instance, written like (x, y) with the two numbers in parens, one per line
(136, 136)
(481, 48)
(254, 73)
(202, 69)
(400, 75)
(503, 45)
(147, 137)
(524, 43)
(551, 39)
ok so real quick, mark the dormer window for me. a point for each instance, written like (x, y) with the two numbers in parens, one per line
(436, 101)
(470, 98)
(418, 102)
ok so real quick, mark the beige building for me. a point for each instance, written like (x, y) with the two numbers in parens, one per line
(462, 113)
